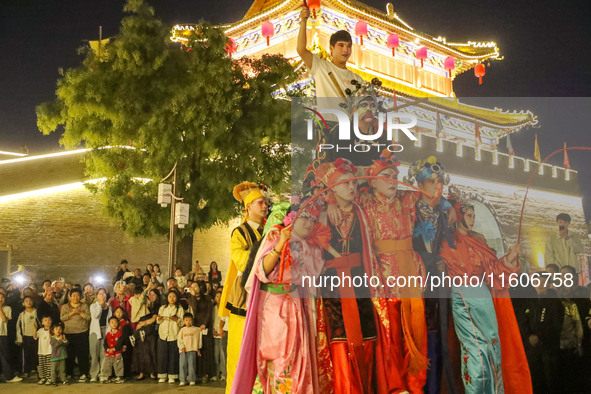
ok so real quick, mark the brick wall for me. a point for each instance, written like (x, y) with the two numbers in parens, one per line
(67, 234)
(214, 245)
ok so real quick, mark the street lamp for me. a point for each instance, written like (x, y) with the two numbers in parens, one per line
(179, 213)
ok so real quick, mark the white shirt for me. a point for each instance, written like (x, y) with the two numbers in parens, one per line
(25, 326)
(4, 324)
(44, 346)
(139, 308)
(325, 87)
(216, 322)
(169, 329)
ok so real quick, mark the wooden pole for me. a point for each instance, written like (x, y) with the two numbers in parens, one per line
(99, 43)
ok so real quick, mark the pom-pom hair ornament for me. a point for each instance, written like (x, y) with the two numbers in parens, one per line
(329, 173)
(421, 170)
(387, 160)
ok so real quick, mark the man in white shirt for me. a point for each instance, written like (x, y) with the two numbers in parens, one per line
(332, 77)
(562, 248)
(335, 84)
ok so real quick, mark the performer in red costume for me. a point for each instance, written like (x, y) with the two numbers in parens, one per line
(391, 215)
(347, 320)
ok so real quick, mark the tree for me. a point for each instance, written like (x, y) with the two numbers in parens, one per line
(154, 104)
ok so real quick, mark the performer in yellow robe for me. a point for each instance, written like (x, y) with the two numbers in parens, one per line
(234, 296)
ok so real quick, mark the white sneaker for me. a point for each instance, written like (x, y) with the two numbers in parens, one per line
(16, 379)
(182, 383)
(93, 380)
(214, 379)
(162, 380)
(171, 380)
(192, 384)
(82, 379)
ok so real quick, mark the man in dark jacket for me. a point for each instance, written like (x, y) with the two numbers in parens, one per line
(542, 338)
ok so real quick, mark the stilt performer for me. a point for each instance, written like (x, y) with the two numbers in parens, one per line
(233, 299)
(492, 354)
(347, 320)
(431, 227)
(279, 337)
(391, 215)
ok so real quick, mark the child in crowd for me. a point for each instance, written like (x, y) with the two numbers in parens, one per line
(218, 340)
(114, 347)
(26, 326)
(5, 316)
(170, 318)
(59, 354)
(42, 336)
(181, 281)
(126, 330)
(189, 343)
(157, 274)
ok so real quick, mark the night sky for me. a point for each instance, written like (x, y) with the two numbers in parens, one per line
(545, 45)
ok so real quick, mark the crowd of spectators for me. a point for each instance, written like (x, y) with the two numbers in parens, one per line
(555, 326)
(145, 326)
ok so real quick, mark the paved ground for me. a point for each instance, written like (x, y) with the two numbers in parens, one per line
(125, 388)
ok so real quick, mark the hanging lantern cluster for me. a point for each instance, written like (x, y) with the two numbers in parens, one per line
(268, 31)
(421, 54)
(314, 5)
(479, 72)
(361, 29)
(393, 42)
(231, 47)
(449, 64)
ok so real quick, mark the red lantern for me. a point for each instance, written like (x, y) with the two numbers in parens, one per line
(393, 42)
(314, 5)
(231, 47)
(449, 64)
(361, 29)
(479, 72)
(421, 53)
(268, 31)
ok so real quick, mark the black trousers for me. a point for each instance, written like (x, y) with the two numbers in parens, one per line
(78, 348)
(5, 358)
(545, 371)
(29, 354)
(571, 376)
(168, 359)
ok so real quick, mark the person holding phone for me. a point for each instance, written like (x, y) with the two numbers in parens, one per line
(562, 247)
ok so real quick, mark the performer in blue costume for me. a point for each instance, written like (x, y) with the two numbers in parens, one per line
(433, 216)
